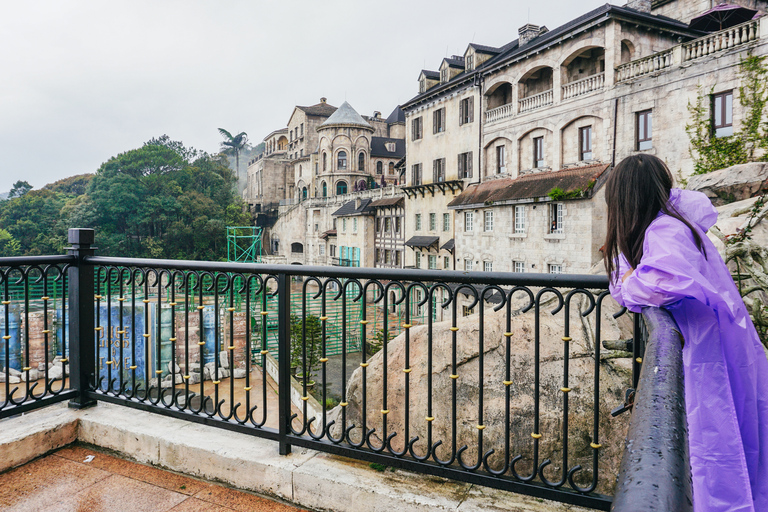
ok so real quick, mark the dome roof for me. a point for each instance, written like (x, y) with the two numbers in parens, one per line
(345, 115)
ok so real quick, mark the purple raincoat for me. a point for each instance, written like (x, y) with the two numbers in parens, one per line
(725, 366)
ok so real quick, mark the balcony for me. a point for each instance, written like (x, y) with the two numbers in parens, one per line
(213, 344)
(498, 113)
(584, 86)
(540, 100)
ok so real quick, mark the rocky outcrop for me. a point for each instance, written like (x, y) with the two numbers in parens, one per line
(469, 384)
(731, 184)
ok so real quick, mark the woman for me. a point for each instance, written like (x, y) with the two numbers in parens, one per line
(657, 254)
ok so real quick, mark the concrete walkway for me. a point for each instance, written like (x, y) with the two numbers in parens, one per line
(306, 478)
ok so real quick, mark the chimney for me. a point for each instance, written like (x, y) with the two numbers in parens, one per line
(527, 32)
(376, 114)
(357, 203)
(323, 100)
(639, 5)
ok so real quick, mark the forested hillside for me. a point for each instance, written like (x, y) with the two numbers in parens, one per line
(162, 200)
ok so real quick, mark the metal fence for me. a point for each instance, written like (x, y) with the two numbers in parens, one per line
(486, 398)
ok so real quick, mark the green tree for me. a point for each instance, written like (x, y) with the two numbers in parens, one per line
(19, 189)
(234, 144)
(9, 246)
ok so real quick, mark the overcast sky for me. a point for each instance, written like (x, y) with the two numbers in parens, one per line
(81, 81)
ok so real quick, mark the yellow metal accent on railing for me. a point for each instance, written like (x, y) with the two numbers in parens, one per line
(158, 372)
(132, 367)
(344, 404)
(99, 329)
(172, 303)
(120, 299)
(430, 418)
(46, 331)
(264, 313)
(385, 411)
(26, 368)
(507, 382)
(454, 377)
(64, 360)
(407, 326)
(201, 343)
(123, 332)
(567, 338)
(230, 309)
(264, 352)
(248, 388)
(565, 390)
(323, 318)
(6, 337)
(454, 329)
(323, 359)
(481, 427)
(198, 307)
(98, 297)
(231, 347)
(6, 302)
(595, 445)
(508, 334)
(171, 339)
(364, 365)
(364, 322)
(146, 335)
(305, 398)
(639, 360)
(145, 301)
(186, 377)
(216, 382)
(45, 298)
(535, 435)
(406, 370)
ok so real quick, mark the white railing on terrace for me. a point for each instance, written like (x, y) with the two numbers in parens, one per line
(583, 86)
(722, 40)
(644, 66)
(536, 101)
(498, 113)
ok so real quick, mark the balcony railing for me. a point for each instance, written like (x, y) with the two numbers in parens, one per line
(449, 398)
(644, 66)
(499, 113)
(722, 40)
(536, 101)
(583, 86)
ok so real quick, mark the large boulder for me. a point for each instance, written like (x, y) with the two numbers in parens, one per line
(614, 378)
(731, 184)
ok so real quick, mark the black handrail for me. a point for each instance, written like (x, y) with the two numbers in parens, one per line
(655, 472)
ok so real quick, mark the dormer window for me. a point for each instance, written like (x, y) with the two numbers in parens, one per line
(444, 75)
(422, 85)
(390, 146)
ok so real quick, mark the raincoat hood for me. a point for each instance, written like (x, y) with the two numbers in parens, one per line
(694, 206)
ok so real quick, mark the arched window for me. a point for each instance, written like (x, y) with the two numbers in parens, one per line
(361, 162)
(341, 188)
(342, 160)
(304, 193)
(297, 248)
(391, 168)
(325, 161)
(325, 190)
(379, 167)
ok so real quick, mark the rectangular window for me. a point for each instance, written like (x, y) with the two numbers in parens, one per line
(556, 218)
(466, 311)
(387, 257)
(387, 225)
(488, 224)
(644, 130)
(555, 269)
(432, 221)
(321, 249)
(446, 222)
(538, 152)
(354, 225)
(418, 222)
(438, 170)
(418, 260)
(416, 174)
(467, 264)
(501, 159)
(466, 111)
(438, 120)
(469, 218)
(416, 128)
(488, 266)
(722, 114)
(518, 266)
(343, 225)
(585, 143)
(444, 75)
(397, 258)
(377, 256)
(465, 165)
(378, 224)
(332, 250)
(519, 219)
(432, 262)
(397, 224)
(447, 263)
(469, 62)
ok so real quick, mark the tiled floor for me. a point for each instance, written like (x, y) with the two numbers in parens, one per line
(80, 479)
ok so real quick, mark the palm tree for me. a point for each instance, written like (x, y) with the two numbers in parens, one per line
(233, 145)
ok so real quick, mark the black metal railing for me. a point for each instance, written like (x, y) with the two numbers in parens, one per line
(500, 384)
(655, 471)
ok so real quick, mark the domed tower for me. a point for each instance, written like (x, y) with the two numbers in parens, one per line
(344, 152)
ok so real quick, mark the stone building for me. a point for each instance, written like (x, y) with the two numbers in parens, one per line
(557, 108)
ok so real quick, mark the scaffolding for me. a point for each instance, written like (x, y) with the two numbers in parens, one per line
(244, 244)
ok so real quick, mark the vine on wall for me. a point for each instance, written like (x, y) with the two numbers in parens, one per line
(711, 153)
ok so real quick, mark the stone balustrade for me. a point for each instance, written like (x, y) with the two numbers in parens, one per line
(644, 66)
(499, 113)
(722, 40)
(536, 101)
(583, 86)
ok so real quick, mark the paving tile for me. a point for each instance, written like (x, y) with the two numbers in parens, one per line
(141, 472)
(240, 501)
(118, 494)
(196, 505)
(45, 481)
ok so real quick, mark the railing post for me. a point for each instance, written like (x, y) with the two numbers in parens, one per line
(82, 348)
(284, 359)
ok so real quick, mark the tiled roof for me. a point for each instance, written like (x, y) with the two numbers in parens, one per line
(431, 74)
(346, 115)
(321, 109)
(329, 233)
(455, 63)
(379, 148)
(531, 186)
(387, 201)
(422, 241)
(449, 245)
(397, 116)
(349, 209)
(485, 49)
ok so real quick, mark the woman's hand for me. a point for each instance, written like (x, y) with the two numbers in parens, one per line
(625, 276)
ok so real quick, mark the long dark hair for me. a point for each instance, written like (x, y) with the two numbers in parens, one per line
(636, 191)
